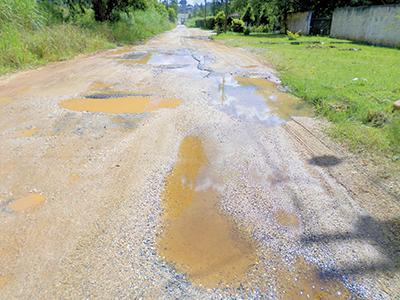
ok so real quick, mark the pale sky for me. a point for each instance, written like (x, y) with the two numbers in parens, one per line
(196, 1)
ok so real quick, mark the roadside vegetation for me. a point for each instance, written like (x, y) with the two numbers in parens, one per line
(35, 32)
(353, 85)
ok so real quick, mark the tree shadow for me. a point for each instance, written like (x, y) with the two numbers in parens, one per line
(325, 160)
(385, 235)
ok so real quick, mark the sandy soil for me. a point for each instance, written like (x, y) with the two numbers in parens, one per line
(86, 190)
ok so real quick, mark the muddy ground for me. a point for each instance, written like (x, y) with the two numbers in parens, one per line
(181, 169)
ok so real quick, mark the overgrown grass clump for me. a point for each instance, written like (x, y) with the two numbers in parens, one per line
(353, 85)
(33, 33)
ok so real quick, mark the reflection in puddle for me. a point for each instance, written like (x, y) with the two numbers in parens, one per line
(30, 201)
(287, 219)
(258, 99)
(131, 104)
(197, 239)
(181, 59)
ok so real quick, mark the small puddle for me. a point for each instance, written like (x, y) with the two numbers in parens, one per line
(287, 219)
(130, 104)
(138, 58)
(197, 238)
(29, 132)
(173, 60)
(30, 201)
(258, 99)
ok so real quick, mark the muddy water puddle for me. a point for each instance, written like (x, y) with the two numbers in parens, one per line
(180, 60)
(260, 100)
(29, 201)
(301, 280)
(29, 132)
(118, 105)
(197, 238)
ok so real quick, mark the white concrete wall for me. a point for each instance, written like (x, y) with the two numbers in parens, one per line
(300, 22)
(374, 24)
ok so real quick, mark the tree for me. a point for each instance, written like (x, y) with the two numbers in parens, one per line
(248, 16)
(220, 21)
(104, 9)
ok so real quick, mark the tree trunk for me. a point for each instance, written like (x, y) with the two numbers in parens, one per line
(100, 10)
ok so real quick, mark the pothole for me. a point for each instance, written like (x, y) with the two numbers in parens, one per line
(30, 201)
(197, 238)
(119, 105)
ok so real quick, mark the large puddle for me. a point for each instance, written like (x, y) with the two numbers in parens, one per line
(197, 238)
(129, 104)
(260, 100)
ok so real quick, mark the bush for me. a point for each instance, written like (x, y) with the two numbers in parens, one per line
(171, 15)
(260, 28)
(293, 35)
(247, 31)
(210, 23)
(220, 22)
(237, 25)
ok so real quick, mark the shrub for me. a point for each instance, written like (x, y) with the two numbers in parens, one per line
(220, 22)
(293, 35)
(237, 25)
(210, 23)
(247, 31)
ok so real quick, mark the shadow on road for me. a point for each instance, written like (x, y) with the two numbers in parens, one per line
(325, 160)
(385, 235)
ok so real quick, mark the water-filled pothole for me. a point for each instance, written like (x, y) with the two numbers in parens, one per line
(258, 99)
(197, 238)
(123, 104)
(28, 202)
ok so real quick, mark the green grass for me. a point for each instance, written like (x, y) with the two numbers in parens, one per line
(353, 89)
(31, 34)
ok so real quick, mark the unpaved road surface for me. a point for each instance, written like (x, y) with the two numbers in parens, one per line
(181, 169)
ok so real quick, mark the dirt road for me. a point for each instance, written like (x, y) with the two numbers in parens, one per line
(181, 169)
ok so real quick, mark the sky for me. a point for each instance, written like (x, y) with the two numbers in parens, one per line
(196, 1)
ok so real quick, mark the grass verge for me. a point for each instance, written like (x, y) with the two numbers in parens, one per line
(353, 85)
(32, 33)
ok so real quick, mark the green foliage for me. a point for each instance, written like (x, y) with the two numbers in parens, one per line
(237, 25)
(246, 31)
(210, 23)
(33, 32)
(353, 89)
(292, 36)
(220, 21)
(248, 15)
(138, 25)
(171, 15)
